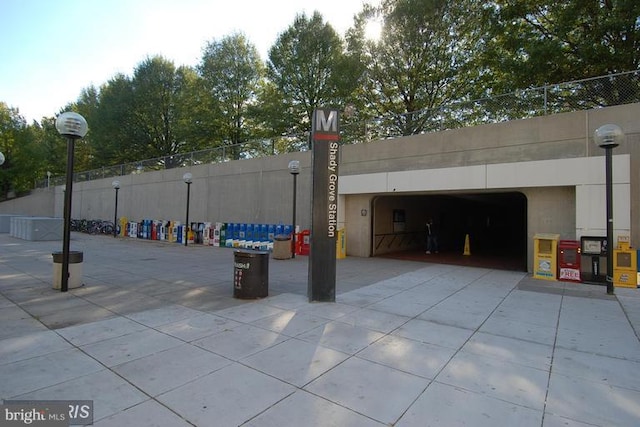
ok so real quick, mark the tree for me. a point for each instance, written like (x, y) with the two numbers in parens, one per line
(112, 132)
(536, 42)
(307, 66)
(423, 60)
(153, 114)
(232, 70)
(154, 94)
(85, 150)
(53, 147)
(23, 155)
(272, 119)
(192, 116)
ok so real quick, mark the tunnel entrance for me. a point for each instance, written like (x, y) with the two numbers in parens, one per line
(496, 224)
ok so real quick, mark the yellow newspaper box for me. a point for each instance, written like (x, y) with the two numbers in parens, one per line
(545, 256)
(625, 265)
(341, 244)
(122, 224)
(173, 231)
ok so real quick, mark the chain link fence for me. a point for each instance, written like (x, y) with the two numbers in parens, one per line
(606, 91)
(615, 89)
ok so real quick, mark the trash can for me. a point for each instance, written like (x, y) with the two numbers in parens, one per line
(75, 269)
(282, 246)
(250, 274)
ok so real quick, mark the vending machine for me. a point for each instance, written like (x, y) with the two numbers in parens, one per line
(593, 254)
(206, 234)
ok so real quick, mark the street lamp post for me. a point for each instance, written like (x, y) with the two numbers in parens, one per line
(72, 126)
(609, 137)
(294, 169)
(1, 163)
(1, 158)
(116, 186)
(187, 178)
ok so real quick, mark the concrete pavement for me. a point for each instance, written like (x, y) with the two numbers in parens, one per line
(156, 338)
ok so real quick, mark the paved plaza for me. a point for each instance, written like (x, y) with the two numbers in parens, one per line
(155, 338)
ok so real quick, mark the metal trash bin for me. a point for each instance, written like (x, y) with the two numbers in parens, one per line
(250, 274)
(282, 246)
(75, 269)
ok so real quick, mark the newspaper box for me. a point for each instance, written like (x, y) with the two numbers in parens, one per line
(569, 261)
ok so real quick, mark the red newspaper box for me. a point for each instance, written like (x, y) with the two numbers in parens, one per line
(569, 261)
(303, 243)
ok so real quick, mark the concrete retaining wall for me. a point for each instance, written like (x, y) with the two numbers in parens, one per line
(551, 159)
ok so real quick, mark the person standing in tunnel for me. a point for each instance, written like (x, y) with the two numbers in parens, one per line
(432, 237)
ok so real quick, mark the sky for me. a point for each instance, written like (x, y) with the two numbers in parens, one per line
(52, 49)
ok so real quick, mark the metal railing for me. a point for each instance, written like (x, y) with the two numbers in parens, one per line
(393, 242)
(604, 91)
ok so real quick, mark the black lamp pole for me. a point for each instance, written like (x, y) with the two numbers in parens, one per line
(187, 178)
(116, 186)
(72, 126)
(609, 137)
(294, 169)
(66, 239)
(609, 197)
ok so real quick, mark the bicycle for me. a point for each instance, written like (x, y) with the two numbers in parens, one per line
(100, 227)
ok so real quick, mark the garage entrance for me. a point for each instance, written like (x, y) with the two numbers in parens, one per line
(496, 224)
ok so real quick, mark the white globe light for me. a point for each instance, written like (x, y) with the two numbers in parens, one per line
(71, 125)
(1, 158)
(608, 136)
(294, 167)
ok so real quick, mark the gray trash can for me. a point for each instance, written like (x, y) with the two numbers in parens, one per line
(282, 246)
(250, 274)
(75, 269)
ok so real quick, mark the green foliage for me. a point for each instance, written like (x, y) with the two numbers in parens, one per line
(536, 42)
(231, 71)
(154, 87)
(424, 59)
(23, 155)
(53, 148)
(307, 65)
(192, 116)
(85, 149)
(112, 132)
